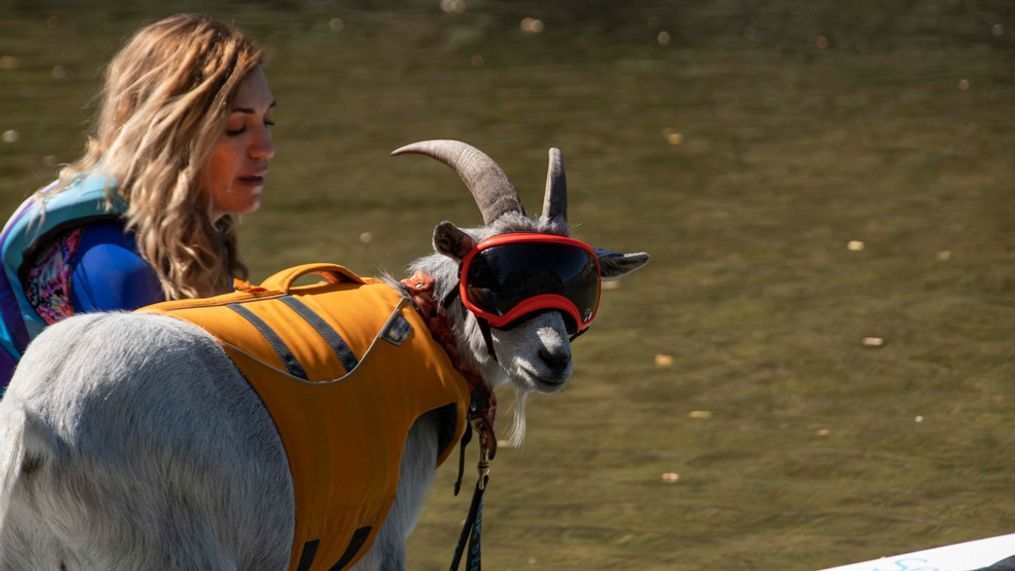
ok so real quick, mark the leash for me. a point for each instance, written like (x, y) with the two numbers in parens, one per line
(473, 527)
(481, 416)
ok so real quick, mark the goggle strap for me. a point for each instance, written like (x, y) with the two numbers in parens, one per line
(484, 326)
(579, 333)
(451, 296)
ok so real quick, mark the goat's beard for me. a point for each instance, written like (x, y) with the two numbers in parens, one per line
(493, 374)
(516, 435)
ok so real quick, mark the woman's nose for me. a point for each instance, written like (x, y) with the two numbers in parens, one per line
(261, 147)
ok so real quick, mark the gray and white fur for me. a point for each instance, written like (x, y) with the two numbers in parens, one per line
(130, 441)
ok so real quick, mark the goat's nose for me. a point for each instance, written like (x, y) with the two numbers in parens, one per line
(557, 359)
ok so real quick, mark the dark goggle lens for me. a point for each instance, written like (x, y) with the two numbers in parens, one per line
(501, 277)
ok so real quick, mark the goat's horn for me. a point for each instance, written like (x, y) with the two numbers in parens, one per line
(555, 198)
(487, 182)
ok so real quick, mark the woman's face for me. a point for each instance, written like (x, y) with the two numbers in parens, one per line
(235, 172)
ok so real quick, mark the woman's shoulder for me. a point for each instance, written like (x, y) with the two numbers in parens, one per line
(107, 232)
(92, 267)
(109, 272)
(106, 253)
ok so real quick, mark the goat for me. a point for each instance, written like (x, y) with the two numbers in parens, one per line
(130, 441)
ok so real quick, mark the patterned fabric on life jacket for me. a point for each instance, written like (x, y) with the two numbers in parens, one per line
(48, 281)
(344, 367)
(39, 217)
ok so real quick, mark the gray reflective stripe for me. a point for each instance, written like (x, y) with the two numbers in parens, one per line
(276, 342)
(330, 336)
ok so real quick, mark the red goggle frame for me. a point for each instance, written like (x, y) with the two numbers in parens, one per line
(509, 276)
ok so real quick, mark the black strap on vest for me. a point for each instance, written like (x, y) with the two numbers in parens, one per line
(359, 537)
(466, 438)
(307, 555)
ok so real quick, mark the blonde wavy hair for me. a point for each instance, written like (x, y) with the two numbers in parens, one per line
(164, 106)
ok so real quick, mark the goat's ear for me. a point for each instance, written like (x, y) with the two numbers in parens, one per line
(616, 264)
(452, 241)
(31, 445)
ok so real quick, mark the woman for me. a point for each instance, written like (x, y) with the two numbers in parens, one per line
(180, 148)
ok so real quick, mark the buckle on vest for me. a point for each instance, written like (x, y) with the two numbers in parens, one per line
(397, 330)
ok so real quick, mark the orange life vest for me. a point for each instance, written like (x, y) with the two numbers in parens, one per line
(344, 367)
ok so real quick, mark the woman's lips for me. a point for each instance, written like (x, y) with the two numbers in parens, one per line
(252, 180)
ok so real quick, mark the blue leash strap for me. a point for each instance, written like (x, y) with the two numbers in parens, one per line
(481, 422)
(471, 532)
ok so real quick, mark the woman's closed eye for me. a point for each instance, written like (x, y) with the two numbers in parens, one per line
(243, 129)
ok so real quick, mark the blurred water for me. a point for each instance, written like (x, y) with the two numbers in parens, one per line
(743, 144)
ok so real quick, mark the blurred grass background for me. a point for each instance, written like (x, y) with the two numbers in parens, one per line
(743, 144)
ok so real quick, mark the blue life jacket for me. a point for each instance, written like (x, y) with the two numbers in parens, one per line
(31, 227)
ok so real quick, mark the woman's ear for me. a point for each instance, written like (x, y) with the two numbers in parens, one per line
(452, 241)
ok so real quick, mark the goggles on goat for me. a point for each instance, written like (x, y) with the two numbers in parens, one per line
(510, 276)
